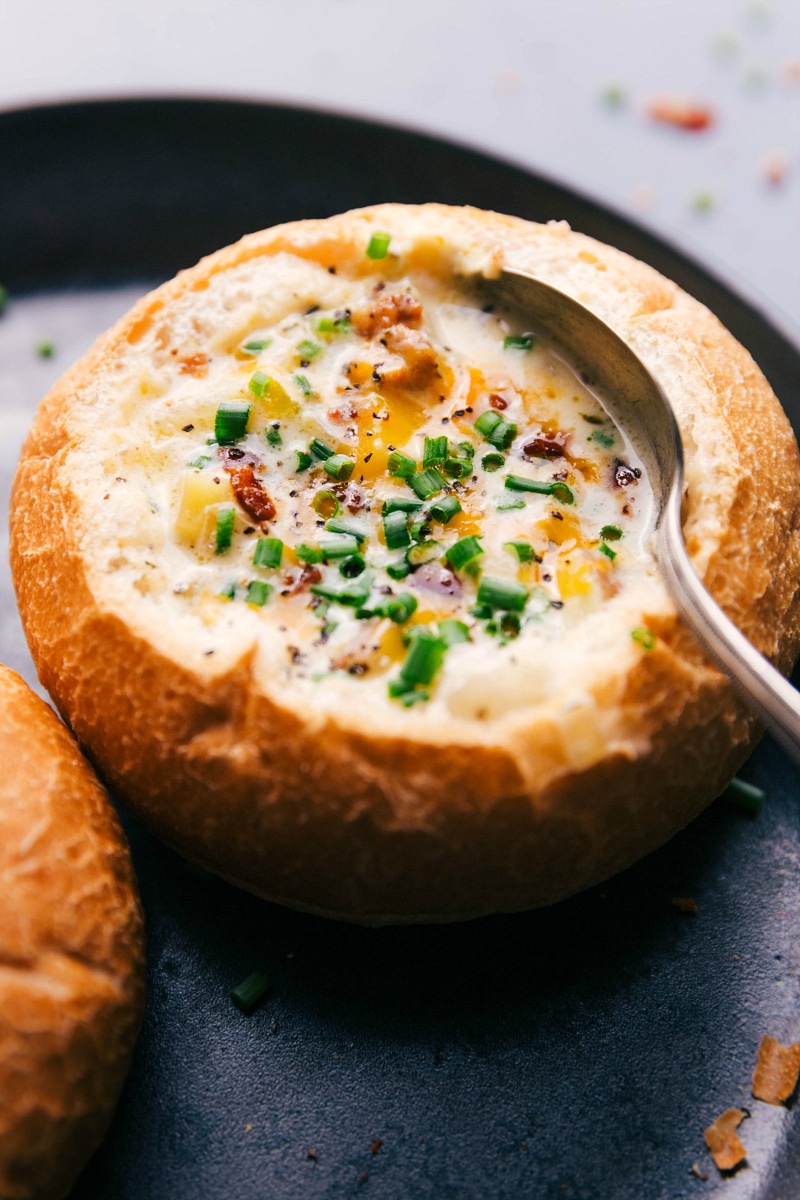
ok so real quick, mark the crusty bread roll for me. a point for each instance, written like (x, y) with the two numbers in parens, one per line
(71, 952)
(268, 722)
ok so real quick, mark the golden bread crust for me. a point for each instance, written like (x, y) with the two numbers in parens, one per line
(375, 819)
(71, 952)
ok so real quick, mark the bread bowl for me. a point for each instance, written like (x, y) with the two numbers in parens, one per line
(579, 726)
(71, 952)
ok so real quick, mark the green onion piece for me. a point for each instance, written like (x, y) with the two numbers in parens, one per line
(422, 552)
(229, 591)
(269, 552)
(563, 493)
(458, 468)
(355, 596)
(378, 245)
(523, 550)
(509, 504)
(525, 342)
(502, 593)
(304, 385)
(254, 347)
(352, 566)
(645, 638)
(395, 530)
(463, 552)
(398, 570)
(258, 383)
(326, 504)
(435, 451)
(424, 658)
(465, 450)
(592, 419)
(610, 533)
(230, 422)
(401, 465)
(340, 467)
(502, 435)
(274, 438)
(445, 509)
(744, 795)
(45, 349)
(609, 553)
(251, 990)
(487, 421)
(481, 611)
(399, 608)
(308, 350)
(320, 450)
(427, 483)
(519, 483)
(602, 439)
(225, 521)
(492, 462)
(302, 460)
(308, 554)
(257, 593)
(342, 525)
(406, 506)
(199, 462)
(452, 632)
(399, 689)
(324, 325)
(420, 528)
(338, 547)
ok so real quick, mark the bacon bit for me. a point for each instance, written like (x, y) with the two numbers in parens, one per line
(433, 578)
(375, 1145)
(721, 1139)
(354, 498)
(684, 904)
(682, 114)
(248, 490)
(775, 1076)
(385, 311)
(413, 358)
(625, 475)
(497, 401)
(546, 445)
(346, 413)
(194, 364)
(299, 581)
(774, 167)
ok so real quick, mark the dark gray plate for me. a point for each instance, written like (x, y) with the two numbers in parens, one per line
(574, 1052)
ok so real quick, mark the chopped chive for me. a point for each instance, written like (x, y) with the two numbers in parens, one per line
(481, 611)
(328, 326)
(401, 465)
(602, 439)
(225, 521)
(251, 990)
(523, 342)
(645, 638)
(519, 483)
(230, 421)
(563, 493)
(342, 525)
(259, 344)
(326, 504)
(492, 462)
(257, 593)
(355, 596)
(339, 466)
(463, 552)
(398, 570)
(452, 632)
(398, 608)
(229, 591)
(378, 245)
(445, 509)
(510, 624)
(522, 549)
(269, 552)
(502, 435)
(45, 349)
(420, 528)
(308, 554)
(308, 350)
(509, 504)
(274, 438)
(342, 546)
(395, 530)
(592, 419)
(422, 552)
(487, 421)
(502, 593)
(424, 658)
(399, 505)
(320, 450)
(465, 450)
(302, 460)
(609, 553)
(303, 384)
(435, 451)
(457, 468)
(199, 462)
(610, 533)
(427, 483)
(744, 795)
(352, 566)
(259, 382)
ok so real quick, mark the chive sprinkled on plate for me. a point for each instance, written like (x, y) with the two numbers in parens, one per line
(224, 535)
(45, 348)
(378, 245)
(268, 552)
(230, 421)
(252, 989)
(744, 795)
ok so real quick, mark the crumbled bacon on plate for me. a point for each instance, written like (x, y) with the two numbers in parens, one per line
(721, 1139)
(682, 114)
(775, 1076)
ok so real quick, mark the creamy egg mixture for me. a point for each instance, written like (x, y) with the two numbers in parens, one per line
(383, 473)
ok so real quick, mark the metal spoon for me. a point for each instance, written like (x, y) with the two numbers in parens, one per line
(609, 367)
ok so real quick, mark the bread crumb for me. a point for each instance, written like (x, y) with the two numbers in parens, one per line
(774, 166)
(721, 1139)
(311, 1154)
(777, 1068)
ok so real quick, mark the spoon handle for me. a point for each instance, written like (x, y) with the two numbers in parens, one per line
(765, 691)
